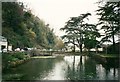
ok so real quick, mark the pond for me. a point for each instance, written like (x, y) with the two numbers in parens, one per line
(61, 68)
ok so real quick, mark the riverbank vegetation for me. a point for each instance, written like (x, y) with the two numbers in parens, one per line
(13, 59)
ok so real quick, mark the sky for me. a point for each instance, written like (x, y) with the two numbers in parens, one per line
(57, 12)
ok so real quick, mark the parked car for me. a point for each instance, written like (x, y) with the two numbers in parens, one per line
(17, 49)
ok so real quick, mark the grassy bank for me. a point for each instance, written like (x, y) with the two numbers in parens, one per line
(13, 59)
(70, 53)
(105, 56)
(109, 55)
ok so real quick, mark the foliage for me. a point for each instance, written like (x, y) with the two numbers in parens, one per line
(59, 44)
(9, 59)
(23, 29)
(90, 43)
(109, 19)
(79, 32)
(110, 49)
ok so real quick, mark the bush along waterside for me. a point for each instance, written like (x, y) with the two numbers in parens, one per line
(13, 59)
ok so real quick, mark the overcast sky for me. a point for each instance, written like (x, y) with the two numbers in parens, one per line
(57, 12)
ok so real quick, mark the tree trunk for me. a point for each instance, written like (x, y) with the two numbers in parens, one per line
(74, 45)
(74, 48)
(88, 51)
(96, 50)
(113, 38)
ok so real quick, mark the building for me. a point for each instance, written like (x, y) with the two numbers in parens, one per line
(3, 43)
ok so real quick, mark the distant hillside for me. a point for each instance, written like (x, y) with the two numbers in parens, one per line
(23, 29)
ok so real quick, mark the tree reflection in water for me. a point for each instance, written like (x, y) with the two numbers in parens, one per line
(88, 69)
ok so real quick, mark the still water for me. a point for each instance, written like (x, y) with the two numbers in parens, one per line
(61, 68)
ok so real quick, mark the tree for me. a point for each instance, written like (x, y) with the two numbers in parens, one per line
(59, 44)
(70, 39)
(90, 43)
(75, 27)
(51, 39)
(78, 30)
(90, 35)
(12, 15)
(109, 19)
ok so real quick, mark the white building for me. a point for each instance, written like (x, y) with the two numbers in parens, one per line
(3, 43)
(10, 48)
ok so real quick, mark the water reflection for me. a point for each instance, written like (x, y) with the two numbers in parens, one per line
(30, 70)
(80, 70)
(88, 69)
(62, 68)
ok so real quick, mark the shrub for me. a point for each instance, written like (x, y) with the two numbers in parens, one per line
(9, 58)
(19, 55)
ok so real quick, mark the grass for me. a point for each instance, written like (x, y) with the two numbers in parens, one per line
(43, 57)
(109, 55)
